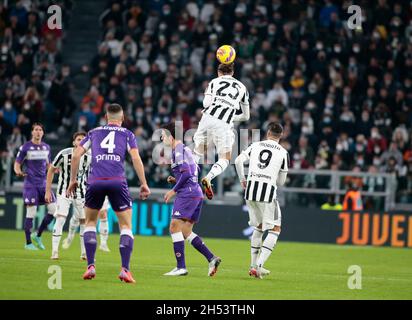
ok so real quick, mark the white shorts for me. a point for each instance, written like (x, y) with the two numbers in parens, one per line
(266, 213)
(63, 207)
(218, 132)
(105, 204)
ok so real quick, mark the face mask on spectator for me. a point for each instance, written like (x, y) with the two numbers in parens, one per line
(376, 162)
(337, 49)
(359, 147)
(356, 49)
(310, 105)
(319, 46)
(7, 106)
(377, 150)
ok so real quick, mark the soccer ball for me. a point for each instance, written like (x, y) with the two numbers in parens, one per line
(226, 54)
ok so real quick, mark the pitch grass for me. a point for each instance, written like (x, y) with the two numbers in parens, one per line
(299, 271)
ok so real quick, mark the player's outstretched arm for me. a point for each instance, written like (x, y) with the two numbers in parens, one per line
(77, 154)
(240, 169)
(49, 180)
(139, 168)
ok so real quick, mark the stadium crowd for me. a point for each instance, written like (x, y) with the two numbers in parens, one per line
(344, 96)
(34, 84)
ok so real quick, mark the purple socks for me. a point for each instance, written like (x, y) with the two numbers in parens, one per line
(200, 246)
(126, 247)
(28, 224)
(179, 248)
(46, 221)
(90, 243)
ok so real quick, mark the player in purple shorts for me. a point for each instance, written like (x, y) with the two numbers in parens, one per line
(187, 205)
(109, 145)
(35, 156)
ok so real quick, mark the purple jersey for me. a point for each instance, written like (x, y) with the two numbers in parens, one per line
(35, 158)
(185, 170)
(109, 145)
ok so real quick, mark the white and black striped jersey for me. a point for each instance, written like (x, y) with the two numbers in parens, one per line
(63, 162)
(227, 95)
(266, 159)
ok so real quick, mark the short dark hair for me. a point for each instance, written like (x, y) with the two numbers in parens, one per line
(79, 133)
(275, 129)
(114, 108)
(170, 129)
(37, 124)
(226, 68)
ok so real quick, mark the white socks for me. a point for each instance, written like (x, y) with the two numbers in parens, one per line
(57, 232)
(217, 169)
(74, 224)
(104, 231)
(81, 232)
(255, 245)
(267, 247)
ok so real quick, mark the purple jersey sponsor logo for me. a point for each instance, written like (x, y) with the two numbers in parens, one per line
(109, 145)
(35, 159)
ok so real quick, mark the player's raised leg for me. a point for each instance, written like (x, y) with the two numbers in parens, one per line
(200, 246)
(216, 170)
(175, 228)
(48, 218)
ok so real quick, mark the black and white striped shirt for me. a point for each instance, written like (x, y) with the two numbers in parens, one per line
(227, 94)
(266, 159)
(63, 162)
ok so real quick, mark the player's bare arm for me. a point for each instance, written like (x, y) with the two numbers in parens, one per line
(17, 169)
(239, 164)
(171, 179)
(50, 175)
(77, 154)
(139, 168)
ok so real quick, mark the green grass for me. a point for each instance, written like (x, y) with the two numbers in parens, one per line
(299, 271)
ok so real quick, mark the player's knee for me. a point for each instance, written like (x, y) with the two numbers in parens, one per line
(31, 211)
(259, 227)
(51, 208)
(82, 221)
(276, 229)
(174, 227)
(103, 214)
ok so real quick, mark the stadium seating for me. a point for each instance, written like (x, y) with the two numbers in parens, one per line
(344, 96)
